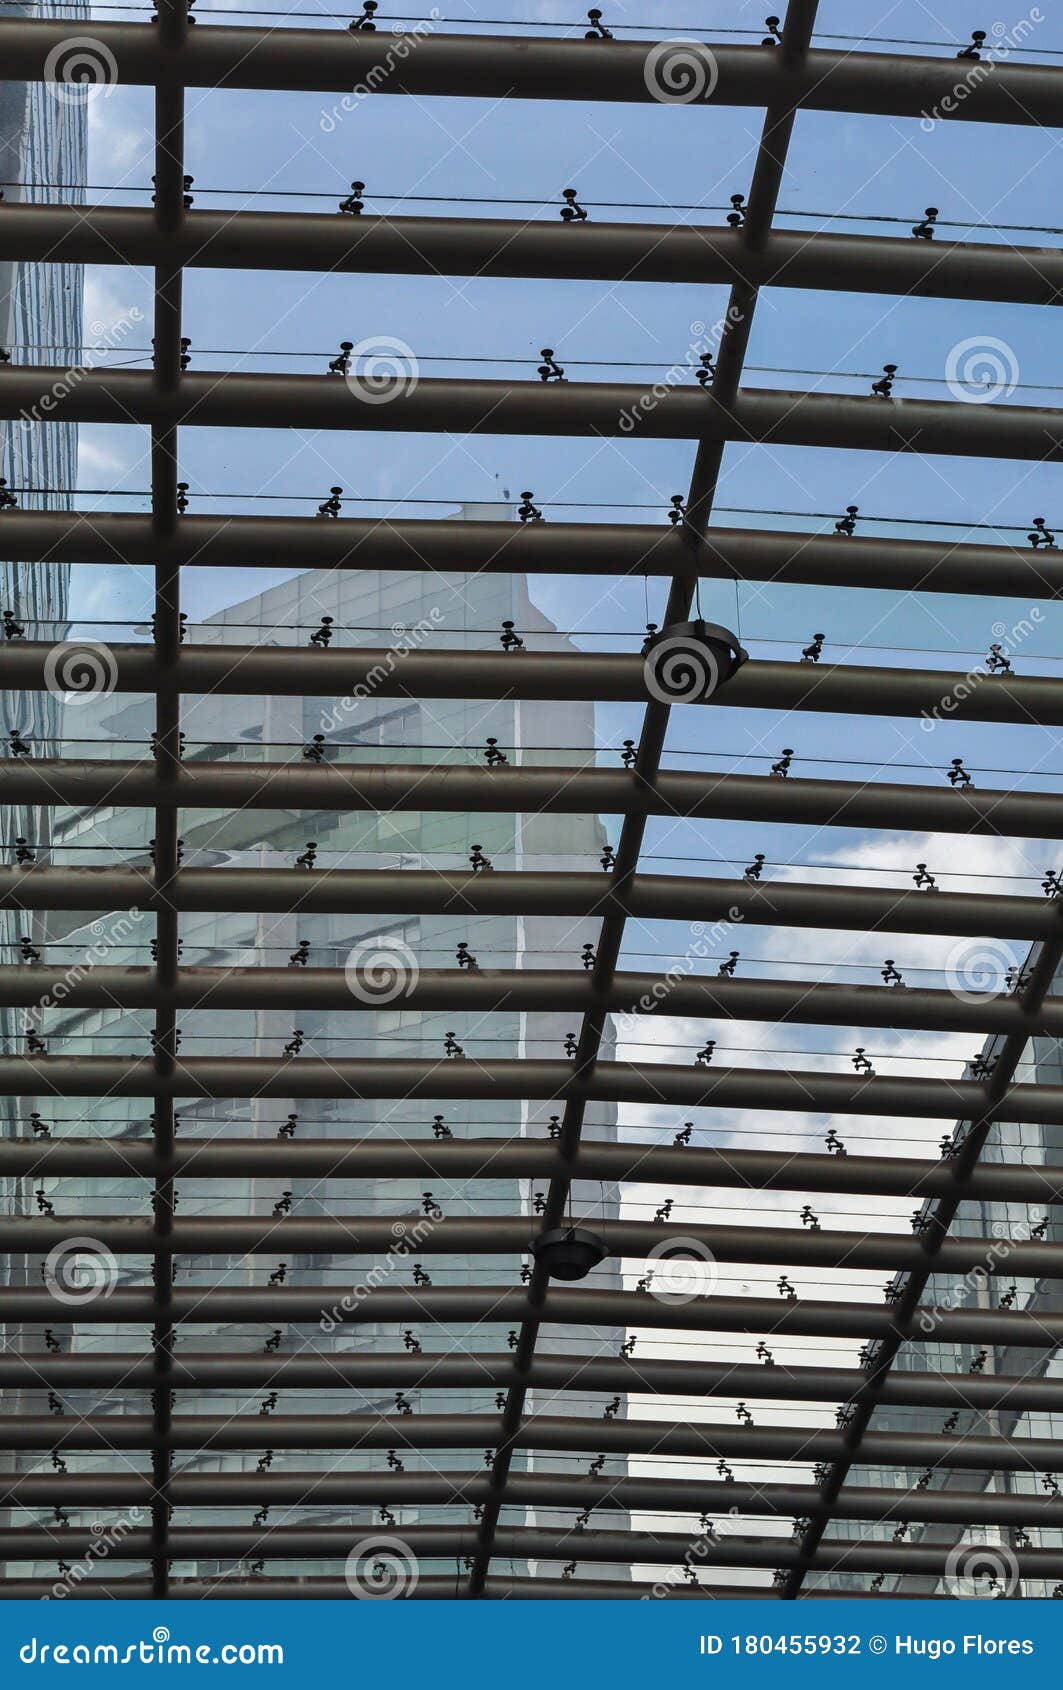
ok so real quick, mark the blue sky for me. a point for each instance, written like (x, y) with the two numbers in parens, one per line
(690, 155)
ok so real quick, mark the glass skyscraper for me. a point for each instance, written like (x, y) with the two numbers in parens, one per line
(379, 610)
(42, 143)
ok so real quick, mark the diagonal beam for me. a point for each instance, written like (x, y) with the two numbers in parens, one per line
(767, 173)
(942, 1214)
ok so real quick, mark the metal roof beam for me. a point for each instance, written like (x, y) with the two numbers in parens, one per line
(657, 252)
(856, 689)
(515, 789)
(803, 1092)
(529, 1158)
(358, 1235)
(611, 410)
(503, 1306)
(537, 67)
(653, 897)
(491, 990)
(612, 549)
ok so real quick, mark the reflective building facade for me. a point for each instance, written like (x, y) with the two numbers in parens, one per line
(401, 612)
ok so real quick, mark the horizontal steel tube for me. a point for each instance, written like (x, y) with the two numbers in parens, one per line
(432, 1588)
(612, 549)
(389, 1372)
(450, 787)
(802, 1092)
(483, 246)
(506, 1306)
(215, 399)
(655, 1494)
(353, 1235)
(486, 990)
(608, 677)
(539, 1543)
(527, 1158)
(516, 67)
(473, 1431)
(434, 892)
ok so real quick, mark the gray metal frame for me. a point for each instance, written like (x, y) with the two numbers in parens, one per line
(170, 57)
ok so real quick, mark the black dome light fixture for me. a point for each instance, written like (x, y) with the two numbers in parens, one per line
(687, 662)
(569, 1252)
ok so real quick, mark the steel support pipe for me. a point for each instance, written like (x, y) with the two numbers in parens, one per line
(190, 1543)
(489, 990)
(354, 1235)
(414, 1432)
(603, 1494)
(611, 549)
(514, 790)
(607, 677)
(649, 897)
(216, 399)
(506, 1306)
(617, 252)
(803, 1092)
(534, 68)
(373, 1374)
(527, 1158)
(430, 1588)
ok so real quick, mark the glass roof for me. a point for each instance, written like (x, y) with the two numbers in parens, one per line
(529, 894)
